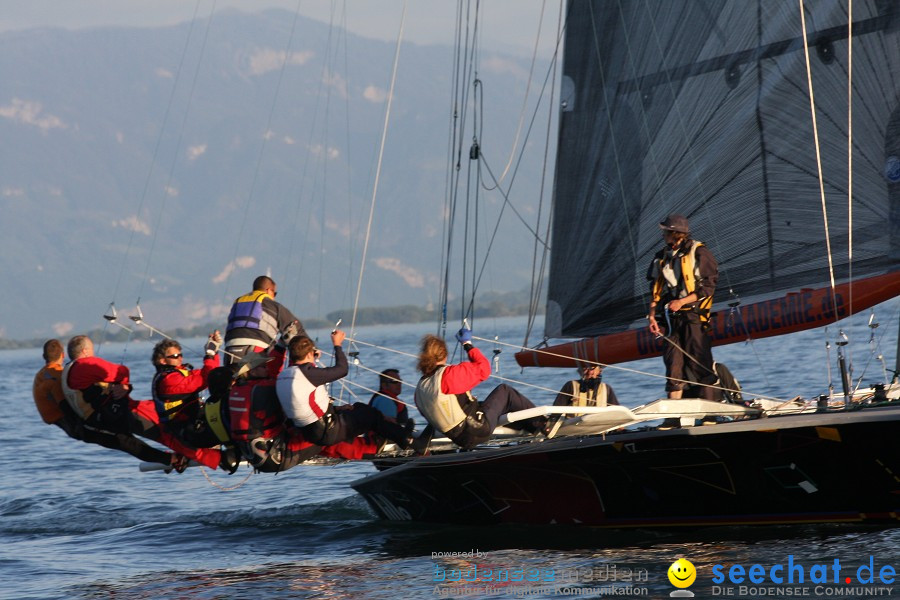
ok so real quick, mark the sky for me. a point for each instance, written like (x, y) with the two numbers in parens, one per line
(510, 25)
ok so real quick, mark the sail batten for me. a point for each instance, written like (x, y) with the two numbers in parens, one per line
(703, 109)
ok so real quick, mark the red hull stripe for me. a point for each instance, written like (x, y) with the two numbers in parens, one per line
(797, 311)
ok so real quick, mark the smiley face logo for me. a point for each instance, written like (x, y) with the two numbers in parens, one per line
(682, 573)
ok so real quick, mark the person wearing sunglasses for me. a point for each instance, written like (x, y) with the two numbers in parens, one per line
(256, 320)
(177, 385)
(100, 393)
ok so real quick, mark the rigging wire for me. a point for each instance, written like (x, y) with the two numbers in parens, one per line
(184, 120)
(512, 150)
(849, 157)
(463, 106)
(156, 148)
(505, 193)
(812, 108)
(387, 114)
(351, 245)
(327, 66)
(538, 285)
(617, 368)
(301, 192)
(262, 149)
(449, 188)
(548, 353)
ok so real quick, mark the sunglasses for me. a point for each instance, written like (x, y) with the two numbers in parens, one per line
(174, 356)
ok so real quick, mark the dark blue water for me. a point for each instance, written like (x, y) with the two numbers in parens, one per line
(80, 521)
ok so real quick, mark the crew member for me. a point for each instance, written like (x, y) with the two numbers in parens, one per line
(304, 398)
(54, 410)
(683, 277)
(98, 391)
(444, 398)
(176, 385)
(387, 398)
(589, 390)
(256, 319)
(265, 438)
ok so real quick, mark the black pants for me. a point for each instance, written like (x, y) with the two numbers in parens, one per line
(358, 419)
(503, 399)
(114, 441)
(687, 332)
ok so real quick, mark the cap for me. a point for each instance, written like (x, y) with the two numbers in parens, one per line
(677, 223)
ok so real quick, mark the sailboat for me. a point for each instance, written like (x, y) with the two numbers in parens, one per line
(737, 115)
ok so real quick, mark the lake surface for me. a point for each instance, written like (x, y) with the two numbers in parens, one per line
(80, 521)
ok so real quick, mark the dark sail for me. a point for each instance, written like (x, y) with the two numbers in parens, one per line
(702, 108)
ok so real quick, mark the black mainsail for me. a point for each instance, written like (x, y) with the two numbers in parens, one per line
(703, 108)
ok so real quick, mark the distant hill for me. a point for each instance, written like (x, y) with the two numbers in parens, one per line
(493, 305)
(114, 189)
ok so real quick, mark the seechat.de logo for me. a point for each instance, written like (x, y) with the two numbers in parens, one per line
(682, 574)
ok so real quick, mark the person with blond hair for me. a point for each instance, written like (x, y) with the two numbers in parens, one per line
(443, 394)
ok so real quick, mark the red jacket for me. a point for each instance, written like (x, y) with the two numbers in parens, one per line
(89, 370)
(177, 382)
(459, 379)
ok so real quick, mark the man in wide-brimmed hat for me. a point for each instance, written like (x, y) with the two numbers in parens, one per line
(683, 277)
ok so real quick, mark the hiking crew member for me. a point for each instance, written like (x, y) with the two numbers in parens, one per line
(444, 399)
(305, 401)
(98, 391)
(387, 398)
(256, 319)
(264, 437)
(176, 386)
(55, 410)
(683, 278)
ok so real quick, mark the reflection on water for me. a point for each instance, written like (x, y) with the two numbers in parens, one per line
(405, 566)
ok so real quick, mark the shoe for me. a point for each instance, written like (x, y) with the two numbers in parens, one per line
(179, 463)
(230, 460)
(538, 425)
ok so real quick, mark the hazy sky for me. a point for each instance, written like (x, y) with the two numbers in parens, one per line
(511, 25)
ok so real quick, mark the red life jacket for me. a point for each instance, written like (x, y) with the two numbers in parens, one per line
(254, 410)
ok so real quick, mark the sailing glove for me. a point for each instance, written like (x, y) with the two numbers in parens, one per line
(464, 335)
(213, 343)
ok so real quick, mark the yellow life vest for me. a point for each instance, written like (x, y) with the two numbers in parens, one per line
(589, 397)
(667, 279)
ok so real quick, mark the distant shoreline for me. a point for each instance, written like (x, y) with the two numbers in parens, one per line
(389, 315)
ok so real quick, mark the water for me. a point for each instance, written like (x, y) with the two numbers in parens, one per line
(80, 521)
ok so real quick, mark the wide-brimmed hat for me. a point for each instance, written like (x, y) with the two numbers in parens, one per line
(674, 222)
